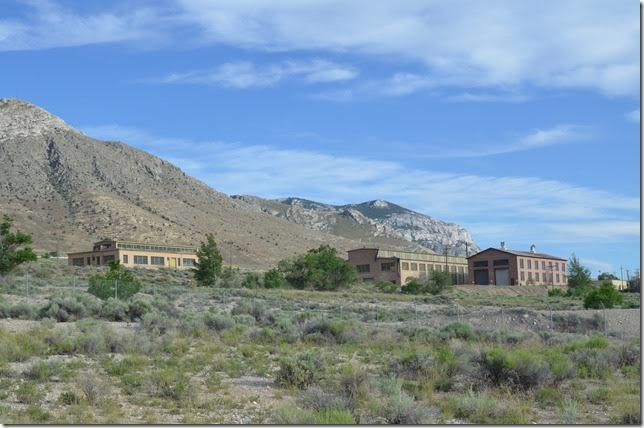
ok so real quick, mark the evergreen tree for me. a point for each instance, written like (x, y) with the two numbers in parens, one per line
(208, 266)
(578, 274)
(11, 255)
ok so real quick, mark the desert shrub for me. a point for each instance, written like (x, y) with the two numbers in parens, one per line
(69, 307)
(604, 296)
(436, 283)
(218, 322)
(353, 384)
(157, 322)
(115, 310)
(595, 362)
(137, 308)
(483, 408)
(411, 366)
(334, 417)
(92, 387)
(170, 383)
(28, 393)
(334, 331)
(253, 308)
(556, 292)
(23, 311)
(413, 286)
(458, 329)
(316, 399)
(386, 287)
(291, 415)
(41, 370)
(90, 343)
(629, 355)
(274, 278)
(118, 282)
(68, 398)
(574, 323)
(300, 372)
(561, 367)
(396, 406)
(522, 369)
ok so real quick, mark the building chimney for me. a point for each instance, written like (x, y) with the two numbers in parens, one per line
(533, 249)
(503, 245)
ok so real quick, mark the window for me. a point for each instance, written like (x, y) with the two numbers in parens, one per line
(414, 266)
(439, 268)
(482, 263)
(77, 262)
(529, 264)
(125, 258)
(521, 263)
(452, 269)
(88, 261)
(557, 278)
(363, 268)
(536, 264)
(159, 261)
(422, 267)
(386, 267)
(405, 266)
(522, 276)
(140, 260)
(188, 262)
(536, 275)
(107, 259)
(503, 262)
(563, 267)
(529, 276)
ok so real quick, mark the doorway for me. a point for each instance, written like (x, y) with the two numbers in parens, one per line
(502, 276)
(481, 277)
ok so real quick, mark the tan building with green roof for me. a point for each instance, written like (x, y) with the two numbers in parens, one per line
(374, 264)
(135, 254)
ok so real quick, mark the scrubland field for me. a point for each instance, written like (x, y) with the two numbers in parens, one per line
(175, 353)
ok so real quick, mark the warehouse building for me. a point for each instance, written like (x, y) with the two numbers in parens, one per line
(135, 254)
(500, 266)
(374, 264)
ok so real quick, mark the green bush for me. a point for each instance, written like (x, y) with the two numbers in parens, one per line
(320, 269)
(387, 287)
(218, 322)
(115, 310)
(71, 306)
(602, 297)
(273, 278)
(334, 417)
(556, 292)
(353, 385)
(170, 383)
(28, 393)
(68, 398)
(118, 282)
(411, 366)
(398, 407)
(300, 372)
(458, 329)
(521, 369)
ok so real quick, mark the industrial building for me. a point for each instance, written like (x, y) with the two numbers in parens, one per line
(135, 254)
(374, 264)
(500, 266)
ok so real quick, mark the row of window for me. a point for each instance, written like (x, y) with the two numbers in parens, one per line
(157, 261)
(384, 267)
(547, 277)
(551, 266)
(158, 248)
(422, 267)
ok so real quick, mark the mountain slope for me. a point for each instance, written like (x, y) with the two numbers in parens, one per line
(373, 220)
(67, 190)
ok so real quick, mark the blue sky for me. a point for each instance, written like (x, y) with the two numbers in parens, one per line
(518, 120)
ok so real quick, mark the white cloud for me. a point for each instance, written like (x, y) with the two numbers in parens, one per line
(527, 208)
(633, 116)
(568, 44)
(539, 138)
(242, 75)
(48, 25)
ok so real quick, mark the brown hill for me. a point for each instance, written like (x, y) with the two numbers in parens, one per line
(67, 190)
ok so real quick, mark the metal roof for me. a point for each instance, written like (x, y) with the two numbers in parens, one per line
(521, 253)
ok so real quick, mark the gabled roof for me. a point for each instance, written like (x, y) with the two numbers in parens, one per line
(521, 253)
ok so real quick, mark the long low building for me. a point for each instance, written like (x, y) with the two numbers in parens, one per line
(374, 264)
(135, 254)
(501, 266)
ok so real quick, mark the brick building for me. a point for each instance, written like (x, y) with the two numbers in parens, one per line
(500, 266)
(135, 254)
(395, 266)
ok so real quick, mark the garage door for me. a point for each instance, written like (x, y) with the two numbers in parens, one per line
(481, 277)
(502, 276)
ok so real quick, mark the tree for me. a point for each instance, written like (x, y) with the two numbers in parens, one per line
(11, 255)
(604, 296)
(208, 266)
(606, 276)
(117, 282)
(274, 279)
(436, 283)
(578, 274)
(319, 268)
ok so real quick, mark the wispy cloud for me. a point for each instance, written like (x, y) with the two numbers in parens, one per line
(244, 74)
(633, 116)
(539, 138)
(529, 208)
